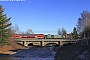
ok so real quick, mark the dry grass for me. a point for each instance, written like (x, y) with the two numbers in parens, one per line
(71, 52)
(12, 46)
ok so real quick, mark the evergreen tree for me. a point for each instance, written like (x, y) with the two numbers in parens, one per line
(75, 35)
(4, 27)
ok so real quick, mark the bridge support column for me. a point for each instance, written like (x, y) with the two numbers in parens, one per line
(24, 43)
(42, 43)
(61, 43)
(58, 42)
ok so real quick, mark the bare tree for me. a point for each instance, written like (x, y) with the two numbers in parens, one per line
(63, 31)
(29, 31)
(15, 29)
(80, 25)
(84, 23)
(22, 32)
(59, 32)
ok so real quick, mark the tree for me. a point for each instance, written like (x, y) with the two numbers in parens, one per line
(29, 31)
(4, 27)
(63, 31)
(22, 32)
(59, 32)
(75, 35)
(15, 29)
(83, 24)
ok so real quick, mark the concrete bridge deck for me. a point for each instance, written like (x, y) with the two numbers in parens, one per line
(28, 39)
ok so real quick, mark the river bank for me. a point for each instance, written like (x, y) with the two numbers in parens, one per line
(34, 53)
(77, 51)
(6, 49)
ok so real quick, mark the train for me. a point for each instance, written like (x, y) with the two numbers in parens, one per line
(38, 36)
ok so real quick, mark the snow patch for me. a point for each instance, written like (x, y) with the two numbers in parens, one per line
(83, 55)
(36, 54)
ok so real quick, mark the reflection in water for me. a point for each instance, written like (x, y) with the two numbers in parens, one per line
(6, 58)
(18, 58)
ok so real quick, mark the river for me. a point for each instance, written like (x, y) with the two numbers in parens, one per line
(36, 53)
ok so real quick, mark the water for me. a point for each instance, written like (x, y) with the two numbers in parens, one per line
(33, 54)
(14, 58)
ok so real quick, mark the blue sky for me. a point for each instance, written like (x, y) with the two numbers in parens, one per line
(45, 15)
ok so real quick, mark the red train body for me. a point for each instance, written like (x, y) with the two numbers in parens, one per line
(38, 36)
(16, 36)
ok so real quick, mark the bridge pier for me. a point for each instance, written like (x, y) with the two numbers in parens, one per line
(58, 42)
(41, 43)
(24, 43)
(61, 43)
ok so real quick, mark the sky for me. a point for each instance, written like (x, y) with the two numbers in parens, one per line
(45, 16)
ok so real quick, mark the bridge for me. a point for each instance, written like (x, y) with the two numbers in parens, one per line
(43, 42)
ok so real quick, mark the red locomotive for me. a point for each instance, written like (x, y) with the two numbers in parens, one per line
(38, 36)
